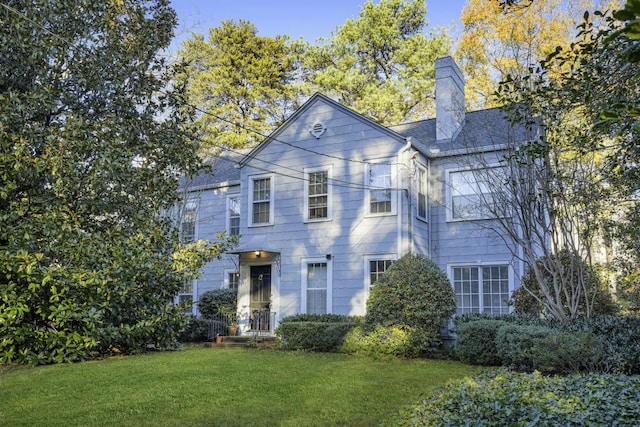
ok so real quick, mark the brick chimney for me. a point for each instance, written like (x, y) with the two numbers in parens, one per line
(449, 99)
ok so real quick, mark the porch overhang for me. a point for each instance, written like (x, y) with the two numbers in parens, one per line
(255, 245)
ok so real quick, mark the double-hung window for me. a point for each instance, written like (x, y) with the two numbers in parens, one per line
(470, 193)
(317, 194)
(233, 215)
(188, 217)
(380, 191)
(316, 284)
(261, 200)
(421, 192)
(481, 289)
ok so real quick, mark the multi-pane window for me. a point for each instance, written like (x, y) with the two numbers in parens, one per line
(481, 289)
(261, 200)
(233, 215)
(380, 191)
(316, 288)
(188, 221)
(318, 195)
(377, 268)
(421, 189)
(470, 193)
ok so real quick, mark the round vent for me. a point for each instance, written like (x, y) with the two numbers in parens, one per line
(317, 130)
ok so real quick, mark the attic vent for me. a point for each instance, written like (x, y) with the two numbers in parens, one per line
(317, 130)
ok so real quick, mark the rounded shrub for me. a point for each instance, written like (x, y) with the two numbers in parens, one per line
(413, 292)
(517, 343)
(508, 398)
(476, 343)
(525, 298)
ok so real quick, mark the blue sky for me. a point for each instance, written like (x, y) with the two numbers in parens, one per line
(297, 18)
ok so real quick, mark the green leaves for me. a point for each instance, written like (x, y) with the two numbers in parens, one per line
(90, 153)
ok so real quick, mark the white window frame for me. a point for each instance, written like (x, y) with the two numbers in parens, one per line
(367, 269)
(304, 285)
(481, 295)
(228, 219)
(192, 286)
(307, 173)
(188, 206)
(478, 193)
(252, 180)
(422, 184)
(227, 272)
(368, 188)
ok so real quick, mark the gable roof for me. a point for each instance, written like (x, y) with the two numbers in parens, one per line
(315, 98)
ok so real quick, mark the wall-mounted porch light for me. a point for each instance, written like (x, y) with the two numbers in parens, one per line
(257, 254)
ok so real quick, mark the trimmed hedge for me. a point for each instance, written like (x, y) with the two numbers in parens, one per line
(476, 343)
(507, 398)
(606, 344)
(324, 333)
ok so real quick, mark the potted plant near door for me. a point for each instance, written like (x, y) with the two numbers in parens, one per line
(220, 305)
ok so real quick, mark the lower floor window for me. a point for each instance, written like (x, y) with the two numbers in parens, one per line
(481, 289)
(317, 288)
(185, 296)
(233, 279)
(377, 268)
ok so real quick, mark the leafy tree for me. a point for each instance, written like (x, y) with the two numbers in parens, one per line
(241, 84)
(413, 292)
(572, 187)
(90, 153)
(503, 38)
(380, 64)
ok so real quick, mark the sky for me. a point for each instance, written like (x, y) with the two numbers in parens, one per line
(296, 18)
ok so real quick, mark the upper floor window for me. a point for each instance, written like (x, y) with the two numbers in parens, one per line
(481, 289)
(317, 195)
(261, 200)
(421, 190)
(188, 218)
(233, 215)
(379, 183)
(470, 195)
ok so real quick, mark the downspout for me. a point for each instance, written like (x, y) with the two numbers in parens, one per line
(401, 159)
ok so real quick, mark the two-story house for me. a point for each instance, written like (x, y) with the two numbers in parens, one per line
(327, 202)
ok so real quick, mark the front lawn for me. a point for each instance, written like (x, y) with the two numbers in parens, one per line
(221, 387)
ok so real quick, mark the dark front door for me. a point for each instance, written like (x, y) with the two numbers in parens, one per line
(260, 303)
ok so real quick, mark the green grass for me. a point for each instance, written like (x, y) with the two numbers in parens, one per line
(227, 387)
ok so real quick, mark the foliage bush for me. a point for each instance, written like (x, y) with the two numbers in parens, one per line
(197, 330)
(413, 292)
(508, 398)
(605, 344)
(224, 301)
(476, 343)
(525, 298)
(325, 336)
(567, 353)
(386, 341)
(516, 345)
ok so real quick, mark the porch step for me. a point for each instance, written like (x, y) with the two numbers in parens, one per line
(245, 341)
